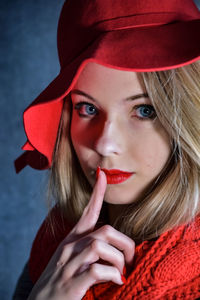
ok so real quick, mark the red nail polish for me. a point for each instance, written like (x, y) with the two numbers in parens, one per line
(124, 270)
(123, 279)
(97, 172)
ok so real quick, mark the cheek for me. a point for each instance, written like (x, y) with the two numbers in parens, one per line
(78, 131)
(156, 155)
(150, 150)
(82, 137)
(84, 131)
(75, 127)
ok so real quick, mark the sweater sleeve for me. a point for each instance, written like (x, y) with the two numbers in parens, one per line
(23, 286)
(52, 231)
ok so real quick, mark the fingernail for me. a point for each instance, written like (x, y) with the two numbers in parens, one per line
(97, 172)
(123, 279)
(124, 270)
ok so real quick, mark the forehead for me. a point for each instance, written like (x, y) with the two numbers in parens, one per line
(98, 79)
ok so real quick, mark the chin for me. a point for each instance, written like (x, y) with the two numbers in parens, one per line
(115, 197)
(118, 194)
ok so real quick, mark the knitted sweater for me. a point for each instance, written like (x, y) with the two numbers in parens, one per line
(167, 268)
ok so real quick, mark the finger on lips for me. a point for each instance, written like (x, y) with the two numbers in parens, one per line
(107, 244)
(96, 201)
(92, 211)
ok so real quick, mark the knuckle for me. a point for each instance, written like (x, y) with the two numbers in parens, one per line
(132, 244)
(95, 245)
(94, 271)
(107, 230)
(129, 242)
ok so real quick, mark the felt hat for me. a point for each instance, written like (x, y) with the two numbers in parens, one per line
(137, 35)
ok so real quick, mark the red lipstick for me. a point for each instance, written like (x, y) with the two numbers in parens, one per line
(115, 176)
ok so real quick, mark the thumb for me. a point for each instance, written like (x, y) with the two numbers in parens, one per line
(92, 211)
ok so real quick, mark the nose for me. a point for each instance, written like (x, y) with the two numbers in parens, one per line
(109, 140)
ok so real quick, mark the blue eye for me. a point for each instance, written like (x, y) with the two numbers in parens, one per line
(145, 112)
(85, 109)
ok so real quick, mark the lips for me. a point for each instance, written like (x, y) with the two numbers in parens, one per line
(115, 176)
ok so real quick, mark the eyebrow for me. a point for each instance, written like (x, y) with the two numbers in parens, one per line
(131, 98)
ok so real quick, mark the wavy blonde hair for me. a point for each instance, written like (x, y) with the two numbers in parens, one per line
(175, 196)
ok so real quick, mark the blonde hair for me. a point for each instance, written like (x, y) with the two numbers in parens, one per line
(175, 196)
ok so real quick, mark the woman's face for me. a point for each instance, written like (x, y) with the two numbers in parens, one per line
(114, 126)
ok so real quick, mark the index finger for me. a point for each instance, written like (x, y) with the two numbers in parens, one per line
(92, 211)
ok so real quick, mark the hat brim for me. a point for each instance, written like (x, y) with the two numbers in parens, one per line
(139, 49)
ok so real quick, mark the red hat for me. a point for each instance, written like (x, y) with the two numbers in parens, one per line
(136, 35)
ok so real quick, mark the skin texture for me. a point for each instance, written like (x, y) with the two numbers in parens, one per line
(109, 132)
(75, 266)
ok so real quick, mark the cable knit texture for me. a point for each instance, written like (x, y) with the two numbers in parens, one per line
(168, 268)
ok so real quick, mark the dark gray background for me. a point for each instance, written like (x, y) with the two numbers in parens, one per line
(28, 62)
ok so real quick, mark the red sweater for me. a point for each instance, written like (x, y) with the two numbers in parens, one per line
(168, 268)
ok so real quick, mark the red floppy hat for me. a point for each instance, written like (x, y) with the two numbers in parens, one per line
(136, 35)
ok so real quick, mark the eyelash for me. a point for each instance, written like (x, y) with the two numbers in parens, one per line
(146, 106)
(80, 105)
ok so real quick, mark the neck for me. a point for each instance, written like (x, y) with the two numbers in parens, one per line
(110, 212)
(114, 211)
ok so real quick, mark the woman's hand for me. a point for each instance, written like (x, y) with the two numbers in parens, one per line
(74, 267)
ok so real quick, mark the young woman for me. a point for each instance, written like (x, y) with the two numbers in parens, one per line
(119, 130)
